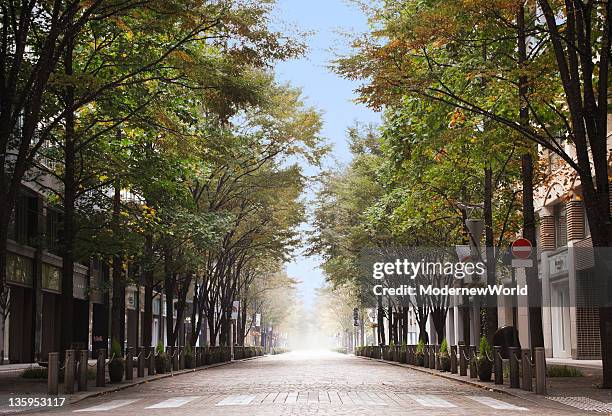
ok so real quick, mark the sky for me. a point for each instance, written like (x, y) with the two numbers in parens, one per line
(326, 91)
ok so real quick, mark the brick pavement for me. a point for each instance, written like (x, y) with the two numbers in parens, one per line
(311, 383)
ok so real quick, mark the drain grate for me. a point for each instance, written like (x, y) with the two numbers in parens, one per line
(584, 403)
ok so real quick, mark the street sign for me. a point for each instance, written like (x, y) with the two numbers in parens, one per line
(235, 309)
(521, 248)
(356, 317)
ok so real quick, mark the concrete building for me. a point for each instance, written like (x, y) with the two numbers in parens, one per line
(34, 288)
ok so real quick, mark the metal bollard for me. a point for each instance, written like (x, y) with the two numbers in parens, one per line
(141, 361)
(498, 365)
(462, 362)
(436, 357)
(432, 356)
(53, 373)
(453, 359)
(129, 363)
(540, 364)
(514, 367)
(527, 373)
(69, 369)
(151, 361)
(101, 369)
(473, 370)
(82, 379)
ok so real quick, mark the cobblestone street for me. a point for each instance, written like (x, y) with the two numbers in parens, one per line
(309, 383)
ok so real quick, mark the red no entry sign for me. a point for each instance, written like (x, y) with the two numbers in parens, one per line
(521, 248)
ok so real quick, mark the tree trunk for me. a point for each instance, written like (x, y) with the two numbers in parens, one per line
(118, 307)
(68, 227)
(423, 336)
(529, 223)
(243, 320)
(405, 325)
(196, 322)
(212, 332)
(491, 307)
(390, 320)
(439, 320)
(147, 317)
(380, 320)
(169, 292)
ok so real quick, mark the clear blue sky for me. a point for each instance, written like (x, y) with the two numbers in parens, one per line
(329, 93)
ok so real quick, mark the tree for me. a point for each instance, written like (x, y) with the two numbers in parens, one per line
(567, 101)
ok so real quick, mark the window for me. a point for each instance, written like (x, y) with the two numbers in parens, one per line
(54, 219)
(587, 230)
(561, 225)
(26, 219)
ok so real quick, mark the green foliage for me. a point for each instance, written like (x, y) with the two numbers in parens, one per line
(444, 346)
(115, 349)
(485, 348)
(563, 371)
(420, 348)
(159, 349)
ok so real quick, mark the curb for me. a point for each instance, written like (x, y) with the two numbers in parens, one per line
(459, 380)
(134, 383)
(156, 377)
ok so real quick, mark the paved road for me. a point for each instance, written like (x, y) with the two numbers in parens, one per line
(308, 383)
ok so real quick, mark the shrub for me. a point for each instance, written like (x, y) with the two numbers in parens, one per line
(116, 366)
(485, 348)
(160, 359)
(420, 348)
(420, 353)
(444, 356)
(444, 347)
(483, 364)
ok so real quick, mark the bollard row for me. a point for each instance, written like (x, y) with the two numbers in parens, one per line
(74, 368)
(458, 359)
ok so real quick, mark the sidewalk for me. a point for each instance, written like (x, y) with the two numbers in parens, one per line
(12, 385)
(576, 392)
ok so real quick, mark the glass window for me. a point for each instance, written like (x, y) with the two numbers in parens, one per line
(26, 219)
(53, 226)
(561, 225)
(587, 230)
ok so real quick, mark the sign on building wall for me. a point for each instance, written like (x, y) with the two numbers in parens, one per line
(79, 288)
(130, 299)
(51, 278)
(19, 269)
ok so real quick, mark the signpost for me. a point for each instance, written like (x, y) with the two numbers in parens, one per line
(235, 309)
(235, 312)
(521, 252)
